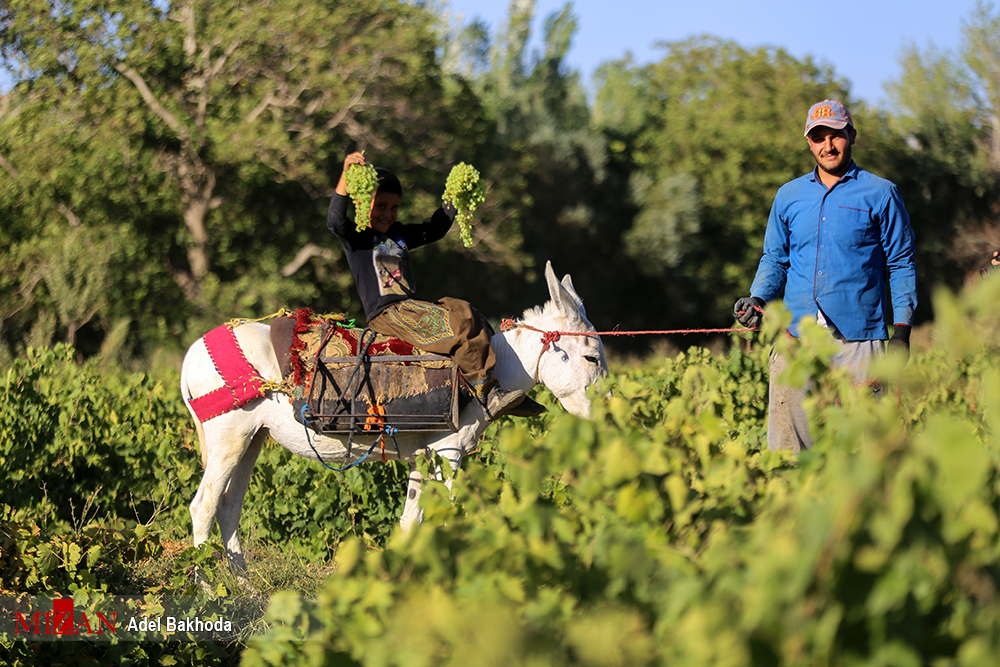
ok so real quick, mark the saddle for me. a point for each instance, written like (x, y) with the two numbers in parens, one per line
(346, 380)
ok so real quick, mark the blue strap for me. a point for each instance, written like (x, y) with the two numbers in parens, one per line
(386, 429)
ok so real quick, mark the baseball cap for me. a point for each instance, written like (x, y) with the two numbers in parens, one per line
(829, 113)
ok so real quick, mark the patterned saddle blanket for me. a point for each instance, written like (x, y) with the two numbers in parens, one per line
(343, 379)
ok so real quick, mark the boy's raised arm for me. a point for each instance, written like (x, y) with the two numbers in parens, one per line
(336, 216)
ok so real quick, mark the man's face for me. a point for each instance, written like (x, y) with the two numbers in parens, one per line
(832, 148)
(385, 207)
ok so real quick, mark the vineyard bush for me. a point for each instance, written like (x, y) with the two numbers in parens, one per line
(78, 443)
(661, 531)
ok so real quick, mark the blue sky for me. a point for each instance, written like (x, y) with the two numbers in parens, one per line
(861, 39)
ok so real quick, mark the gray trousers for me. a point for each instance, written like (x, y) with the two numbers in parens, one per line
(787, 426)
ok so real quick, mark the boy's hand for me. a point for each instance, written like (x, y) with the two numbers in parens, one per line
(357, 157)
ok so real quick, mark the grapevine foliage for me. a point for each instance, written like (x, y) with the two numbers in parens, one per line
(662, 518)
(464, 190)
(662, 531)
(362, 182)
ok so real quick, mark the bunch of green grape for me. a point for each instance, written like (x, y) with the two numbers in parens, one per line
(361, 181)
(465, 191)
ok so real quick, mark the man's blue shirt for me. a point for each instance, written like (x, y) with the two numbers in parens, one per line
(830, 249)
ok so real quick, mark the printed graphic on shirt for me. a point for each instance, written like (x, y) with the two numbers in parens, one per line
(392, 267)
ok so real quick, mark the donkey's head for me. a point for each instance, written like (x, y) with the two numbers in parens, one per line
(573, 362)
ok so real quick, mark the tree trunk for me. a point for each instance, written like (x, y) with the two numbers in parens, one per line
(195, 214)
(197, 182)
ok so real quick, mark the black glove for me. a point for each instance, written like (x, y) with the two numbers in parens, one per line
(900, 341)
(748, 311)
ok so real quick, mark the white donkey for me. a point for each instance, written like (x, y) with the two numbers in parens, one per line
(231, 442)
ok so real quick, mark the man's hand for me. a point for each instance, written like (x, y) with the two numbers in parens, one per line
(749, 311)
(899, 344)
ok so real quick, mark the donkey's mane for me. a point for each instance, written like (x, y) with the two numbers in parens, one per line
(538, 314)
(549, 311)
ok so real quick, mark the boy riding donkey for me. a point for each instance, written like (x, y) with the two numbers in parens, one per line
(379, 260)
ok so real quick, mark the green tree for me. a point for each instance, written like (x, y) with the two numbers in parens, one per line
(712, 129)
(210, 129)
(981, 52)
(940, 145)
(669, 223)
(552, 195)
(230, 92)
(65, 200)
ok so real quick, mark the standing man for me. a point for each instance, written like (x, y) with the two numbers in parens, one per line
(836, 239)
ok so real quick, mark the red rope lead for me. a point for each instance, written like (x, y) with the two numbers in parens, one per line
(549, 337)
(668, 331)
(553, 336)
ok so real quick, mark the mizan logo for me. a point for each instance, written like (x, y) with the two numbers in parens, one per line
(63, 620)
(68, 620)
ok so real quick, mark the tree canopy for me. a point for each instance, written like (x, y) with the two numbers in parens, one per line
(167, 165)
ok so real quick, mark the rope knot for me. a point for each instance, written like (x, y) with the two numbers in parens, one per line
(549, 337)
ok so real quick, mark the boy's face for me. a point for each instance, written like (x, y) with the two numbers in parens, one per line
(385, 207)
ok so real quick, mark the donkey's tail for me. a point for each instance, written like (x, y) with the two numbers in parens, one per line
(199, 429)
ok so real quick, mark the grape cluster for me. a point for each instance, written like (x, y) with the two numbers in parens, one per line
(361, 181)
(465, 191)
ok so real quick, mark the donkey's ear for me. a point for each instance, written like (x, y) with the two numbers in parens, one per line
(567, 282)
(560, 296)
(555, 289)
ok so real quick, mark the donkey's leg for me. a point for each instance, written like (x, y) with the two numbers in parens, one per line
(222, 454)
(452, 453)
(231, 503)
(412, 514)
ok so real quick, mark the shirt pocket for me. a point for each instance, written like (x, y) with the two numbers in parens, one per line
(857, 227)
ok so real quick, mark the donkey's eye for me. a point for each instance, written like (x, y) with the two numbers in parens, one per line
(592, 359)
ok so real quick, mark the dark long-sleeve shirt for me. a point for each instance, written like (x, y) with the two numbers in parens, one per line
(380, 263)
